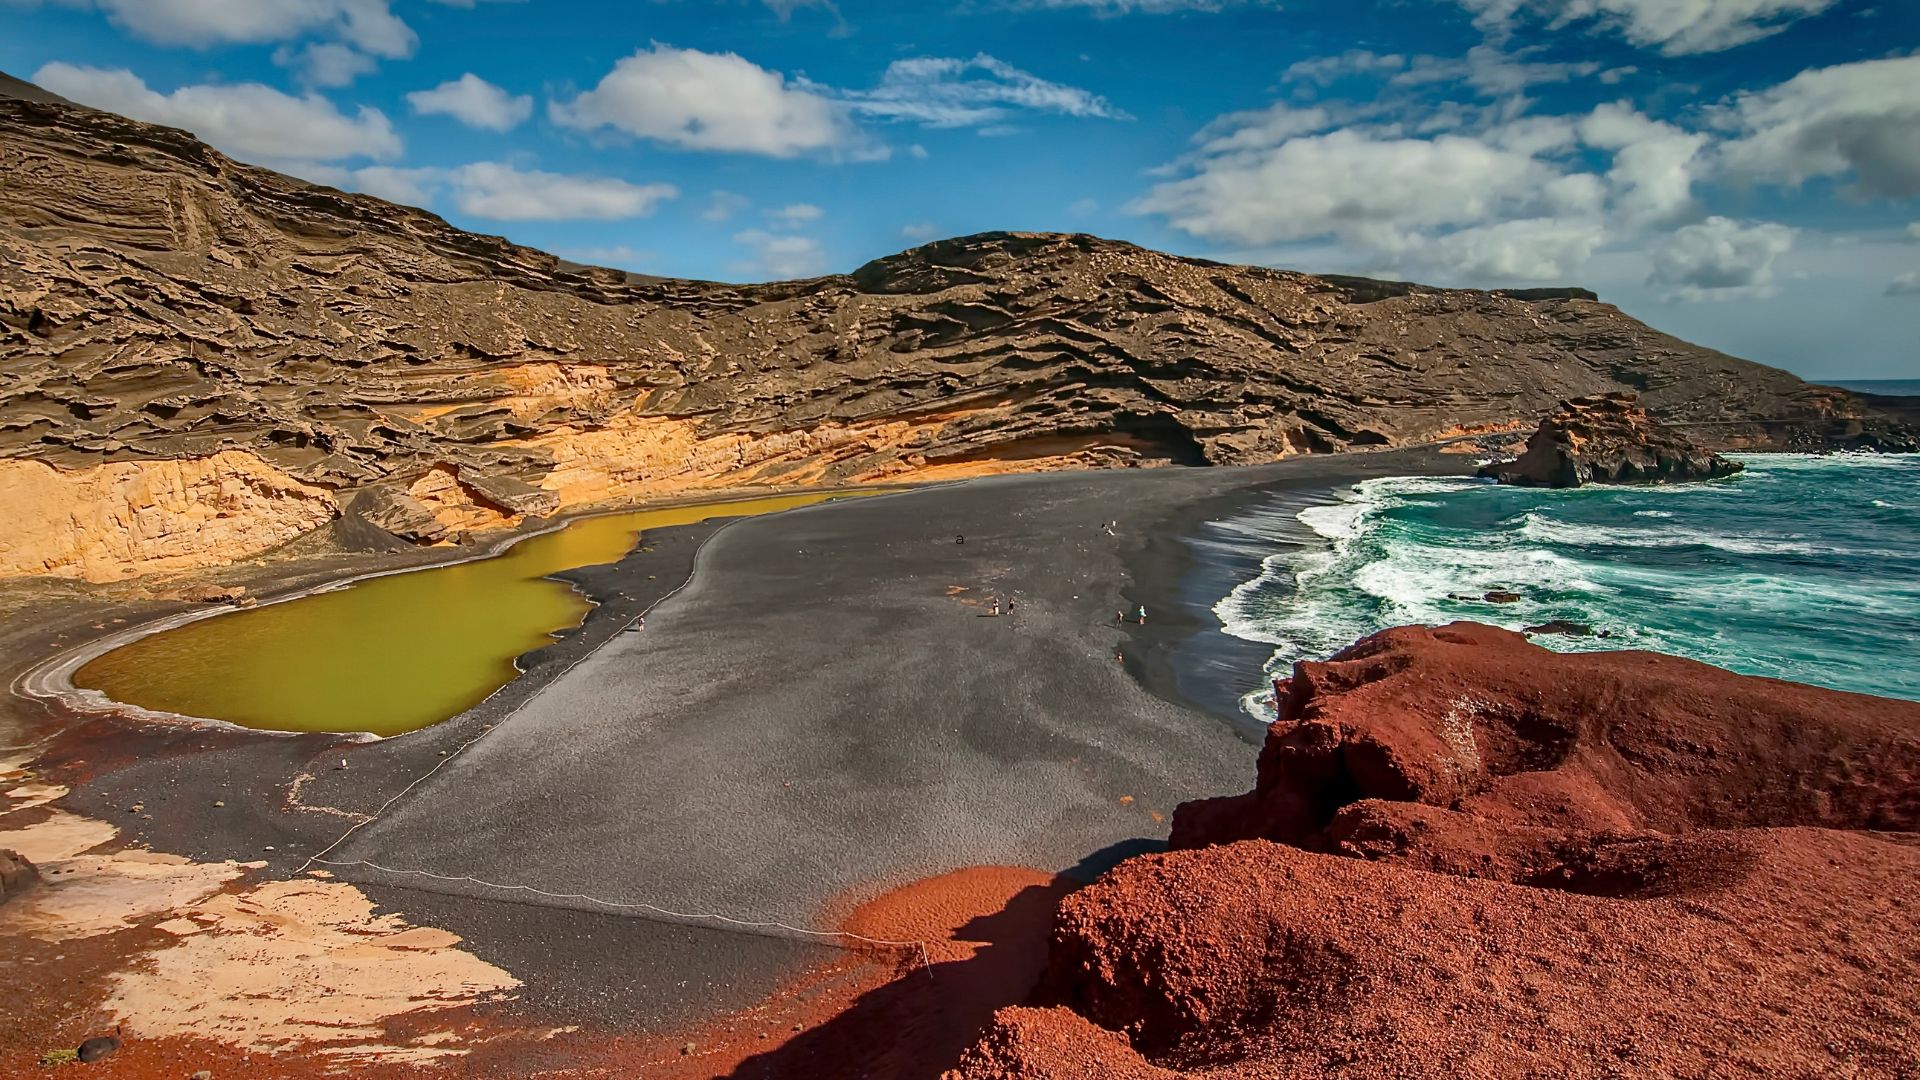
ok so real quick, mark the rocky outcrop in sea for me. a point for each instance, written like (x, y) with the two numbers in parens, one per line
(1608, 439)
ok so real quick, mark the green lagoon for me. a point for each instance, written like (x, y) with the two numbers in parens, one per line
(388, 654)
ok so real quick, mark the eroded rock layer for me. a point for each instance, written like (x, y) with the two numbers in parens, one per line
(1608, 439)
(1468, 856)
(161, 302)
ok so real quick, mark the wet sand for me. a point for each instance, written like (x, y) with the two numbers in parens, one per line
(822, 712)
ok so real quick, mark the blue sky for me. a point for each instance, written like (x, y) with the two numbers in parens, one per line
(1744, 173)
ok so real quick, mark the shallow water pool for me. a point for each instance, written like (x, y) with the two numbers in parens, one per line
(388, 654)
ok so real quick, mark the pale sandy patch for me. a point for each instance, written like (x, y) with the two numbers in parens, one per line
(88, 895)
(29, 795)
(60, 836)
(303, 963)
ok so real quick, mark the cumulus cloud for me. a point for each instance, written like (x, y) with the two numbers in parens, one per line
(1719, 258)
(367, 25)
(1492, 70)
(1349, 182)
(1674, 27)
(1913, 231)
(474, 102)
(1860, 120)
(1326, 70)
(796, 214)
(1146, 7)
(952, 92)
(707, 101)
(722, 205)
(324, 63)
(409, 187)
(501, 192)
(1907, 284)
(245, 119)
(919, 231)
(1654, 167)
(1487, 201)
(783, 255)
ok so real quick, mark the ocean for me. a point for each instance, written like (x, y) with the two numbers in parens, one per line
(1889, 387)
(1802, 567)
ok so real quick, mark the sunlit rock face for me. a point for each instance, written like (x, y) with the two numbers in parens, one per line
(160, 302)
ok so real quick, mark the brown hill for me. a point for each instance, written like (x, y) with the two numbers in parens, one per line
(203, 359)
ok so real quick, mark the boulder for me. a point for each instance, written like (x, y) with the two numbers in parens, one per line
(16, 874)
(1607, 439)
(398, 513)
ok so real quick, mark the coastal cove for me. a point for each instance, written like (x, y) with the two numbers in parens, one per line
(390, 653)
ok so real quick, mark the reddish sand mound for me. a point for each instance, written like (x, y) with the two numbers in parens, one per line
(1693, 873)
(1481, 721)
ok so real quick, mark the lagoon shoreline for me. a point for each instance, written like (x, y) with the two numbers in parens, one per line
(1047, 754)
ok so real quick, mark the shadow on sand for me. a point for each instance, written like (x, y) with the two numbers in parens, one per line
(917, 1025)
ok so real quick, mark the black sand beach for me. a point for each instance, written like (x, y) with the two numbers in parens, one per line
(823, 711)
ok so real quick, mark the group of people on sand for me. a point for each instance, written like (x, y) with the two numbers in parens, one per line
(993, 606)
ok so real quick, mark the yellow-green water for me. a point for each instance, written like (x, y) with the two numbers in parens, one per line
(388, 654)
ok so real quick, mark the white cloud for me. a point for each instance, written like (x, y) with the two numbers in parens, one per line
(1325, 70)
(474, 102)
(325, 63)
(1913, 231)
(707, 101)
(722, 205)
(1907, 284)
(953, 92)
(1719, 259)
(1654, 163)
(796, 214)
(623, 256)
(246, 119)
(920, 231)
(367, 25)
(1674, 27)
(410, 187)
(1492, 71)
(1349, 182)
(783, 255)
(1860, 119)
(502, 192)
(1528, 249)
(1145, 7)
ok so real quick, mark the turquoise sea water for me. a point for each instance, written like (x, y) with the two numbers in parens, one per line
(1804, 568)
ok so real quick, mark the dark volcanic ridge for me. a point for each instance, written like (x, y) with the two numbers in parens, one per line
(162, 305)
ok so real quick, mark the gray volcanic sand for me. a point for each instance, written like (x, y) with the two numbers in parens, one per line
(818, 713)
(812, 717)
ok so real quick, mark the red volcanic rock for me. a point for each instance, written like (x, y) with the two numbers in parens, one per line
(1262, 960)
(1482, 721)
(1498, 861)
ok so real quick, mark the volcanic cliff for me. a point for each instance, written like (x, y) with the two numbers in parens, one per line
(1468, 856)
(203, 359)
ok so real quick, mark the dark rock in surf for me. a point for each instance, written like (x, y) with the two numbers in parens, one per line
(1564, 627)
(1608, 439)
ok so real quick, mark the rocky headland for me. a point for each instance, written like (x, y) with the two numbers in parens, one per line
(204, 360)
(1608, 439)
(1468, 856)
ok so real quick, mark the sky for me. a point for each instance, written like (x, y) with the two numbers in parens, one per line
(1741, 173)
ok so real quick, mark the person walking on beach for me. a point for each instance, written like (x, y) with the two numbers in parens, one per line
(1009, 605)
(994, 610)
(1143, 614)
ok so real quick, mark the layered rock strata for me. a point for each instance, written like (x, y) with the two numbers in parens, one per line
(160, 302)
(1608, 439)
(1468, 856)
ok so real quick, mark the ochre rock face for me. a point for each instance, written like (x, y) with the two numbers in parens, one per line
(161, 302)
(1468, 856)
(1608, 439)
(108, 521)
